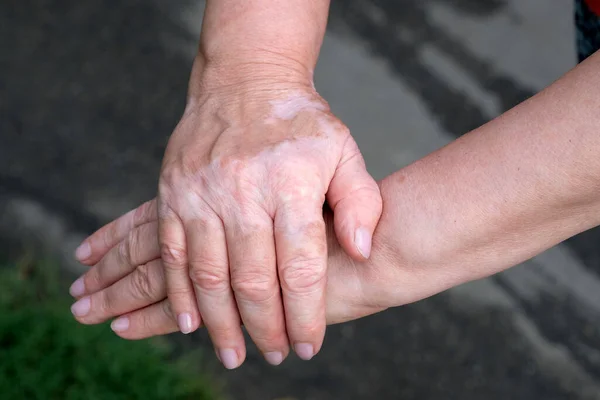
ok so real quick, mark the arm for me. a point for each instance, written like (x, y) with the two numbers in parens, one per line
(238, 35)
(243, 181)
(502, 193)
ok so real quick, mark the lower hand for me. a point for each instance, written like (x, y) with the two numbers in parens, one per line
(129, 281)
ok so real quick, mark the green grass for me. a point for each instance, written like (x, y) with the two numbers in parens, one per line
(46, 354)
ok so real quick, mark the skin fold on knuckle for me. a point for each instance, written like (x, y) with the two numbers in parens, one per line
(303, 275)
(93, 279)
(167, 309)
(171, 173)
(101, 308)
(124, 249)
(254, 284)
(145, 212)
(107, 237)
(147, 324)
(143, 283)
(209, 277)
(134, 245)
(173, 256)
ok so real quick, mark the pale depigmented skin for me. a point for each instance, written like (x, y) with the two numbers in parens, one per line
(242, 188)
(295, 103)
(253, 175)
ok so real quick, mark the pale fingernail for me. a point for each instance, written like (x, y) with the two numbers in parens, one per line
(305, 351)
(229, 358)
(83, 252)
(120, 324)
(77, 288)
(81, 307)
(185, 323)
(274, 358)
(362, 239)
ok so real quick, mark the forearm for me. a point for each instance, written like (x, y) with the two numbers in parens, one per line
(261, 39)
(504, 192)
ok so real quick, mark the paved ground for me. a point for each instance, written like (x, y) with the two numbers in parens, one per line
(90, 92)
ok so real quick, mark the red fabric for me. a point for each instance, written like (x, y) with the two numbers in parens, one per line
(594, 5)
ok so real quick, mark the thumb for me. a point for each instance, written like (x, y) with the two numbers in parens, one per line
(355, 199)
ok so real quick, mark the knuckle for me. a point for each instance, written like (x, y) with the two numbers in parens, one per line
(102, 305)
(343, 130)
(208, 221)
(210, 277)
(255, 285)
(169, 174)
(297, 191)
(133, 243)
(143, 283)
(108, 236)
(173, 256)
(146, 322)
(143, 212)
(124, 256)
(93, 278)
(301, 275)
(167, 309)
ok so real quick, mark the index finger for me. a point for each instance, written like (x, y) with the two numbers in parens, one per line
(92, 249)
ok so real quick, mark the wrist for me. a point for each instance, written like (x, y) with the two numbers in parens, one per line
(259, 72)
(416, 254)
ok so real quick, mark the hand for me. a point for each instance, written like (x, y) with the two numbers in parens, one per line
(129, 278)
(241, 232)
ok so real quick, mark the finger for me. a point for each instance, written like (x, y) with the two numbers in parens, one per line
(92, 249)
(256, 286)
(301, 258)
(141, 288)
(154, 320)
(209, 271)
(356, 202)
(138, 247)
(173, 252)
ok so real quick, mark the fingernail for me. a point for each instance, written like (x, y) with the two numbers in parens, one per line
(77, 288)
(362, 239)
(185, 323)
(81, 307)
(83, 252)
(304, 350)
(274, 357)
(120, 324)
(229, 358)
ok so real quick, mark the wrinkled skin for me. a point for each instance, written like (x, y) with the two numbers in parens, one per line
(241, 231)
(128, 280)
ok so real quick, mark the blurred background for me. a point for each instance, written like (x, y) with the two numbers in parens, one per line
(90, 91)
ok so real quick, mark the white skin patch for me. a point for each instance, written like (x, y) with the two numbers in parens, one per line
(250, 176)
(289, 108)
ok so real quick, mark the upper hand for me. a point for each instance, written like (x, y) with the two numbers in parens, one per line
(241, 232)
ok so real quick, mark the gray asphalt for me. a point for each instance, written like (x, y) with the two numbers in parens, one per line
(89, 93)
